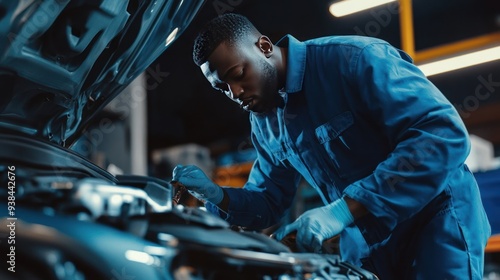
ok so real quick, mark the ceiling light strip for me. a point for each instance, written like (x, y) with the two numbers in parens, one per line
(347, 7)
(461, 61)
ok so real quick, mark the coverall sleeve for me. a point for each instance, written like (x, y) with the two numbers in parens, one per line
(268, 193)
(427, 133)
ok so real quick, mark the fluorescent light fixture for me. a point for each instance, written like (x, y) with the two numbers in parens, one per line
(347, 7)
(460, 61)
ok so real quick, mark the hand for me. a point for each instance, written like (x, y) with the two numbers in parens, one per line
(317, 225)
(198, 184)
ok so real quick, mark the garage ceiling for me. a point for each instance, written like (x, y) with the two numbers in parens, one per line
(183, 108)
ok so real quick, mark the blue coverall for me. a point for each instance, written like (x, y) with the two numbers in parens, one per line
(359, 119)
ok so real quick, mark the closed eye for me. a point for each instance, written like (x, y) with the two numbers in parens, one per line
(239, 75)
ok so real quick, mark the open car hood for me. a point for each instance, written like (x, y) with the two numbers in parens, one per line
(61, 61)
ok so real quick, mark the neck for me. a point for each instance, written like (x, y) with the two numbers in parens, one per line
(280, 57)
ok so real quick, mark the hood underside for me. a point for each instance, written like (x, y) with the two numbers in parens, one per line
(61, 61)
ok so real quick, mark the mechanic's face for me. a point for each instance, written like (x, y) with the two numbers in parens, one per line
(245, 74)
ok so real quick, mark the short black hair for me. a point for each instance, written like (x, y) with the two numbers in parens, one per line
(224, 28)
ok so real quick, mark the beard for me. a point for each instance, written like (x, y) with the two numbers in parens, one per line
(269, 97)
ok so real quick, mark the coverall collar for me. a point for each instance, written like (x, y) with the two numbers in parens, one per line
(296, 62)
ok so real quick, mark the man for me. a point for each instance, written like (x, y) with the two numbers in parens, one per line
(353, 116)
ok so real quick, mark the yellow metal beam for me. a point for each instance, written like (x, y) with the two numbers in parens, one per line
(406, 27)
(457, 47)
(408, 39)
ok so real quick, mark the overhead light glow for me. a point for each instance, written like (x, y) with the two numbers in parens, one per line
(461, 61)
(347, 7)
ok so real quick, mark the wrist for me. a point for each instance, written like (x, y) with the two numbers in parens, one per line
(355, 208)
(224, 204)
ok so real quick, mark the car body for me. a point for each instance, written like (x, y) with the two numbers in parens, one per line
(61, 62)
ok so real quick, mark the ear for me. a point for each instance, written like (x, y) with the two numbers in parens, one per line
(265, 45)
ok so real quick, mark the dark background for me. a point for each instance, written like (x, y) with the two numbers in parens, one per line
(183, 108)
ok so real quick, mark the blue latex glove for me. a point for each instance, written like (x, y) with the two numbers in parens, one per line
(197, 183)
(316, 225)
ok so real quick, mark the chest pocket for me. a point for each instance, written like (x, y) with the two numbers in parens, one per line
(345, 146)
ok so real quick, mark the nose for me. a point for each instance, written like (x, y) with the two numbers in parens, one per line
(235, 90)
